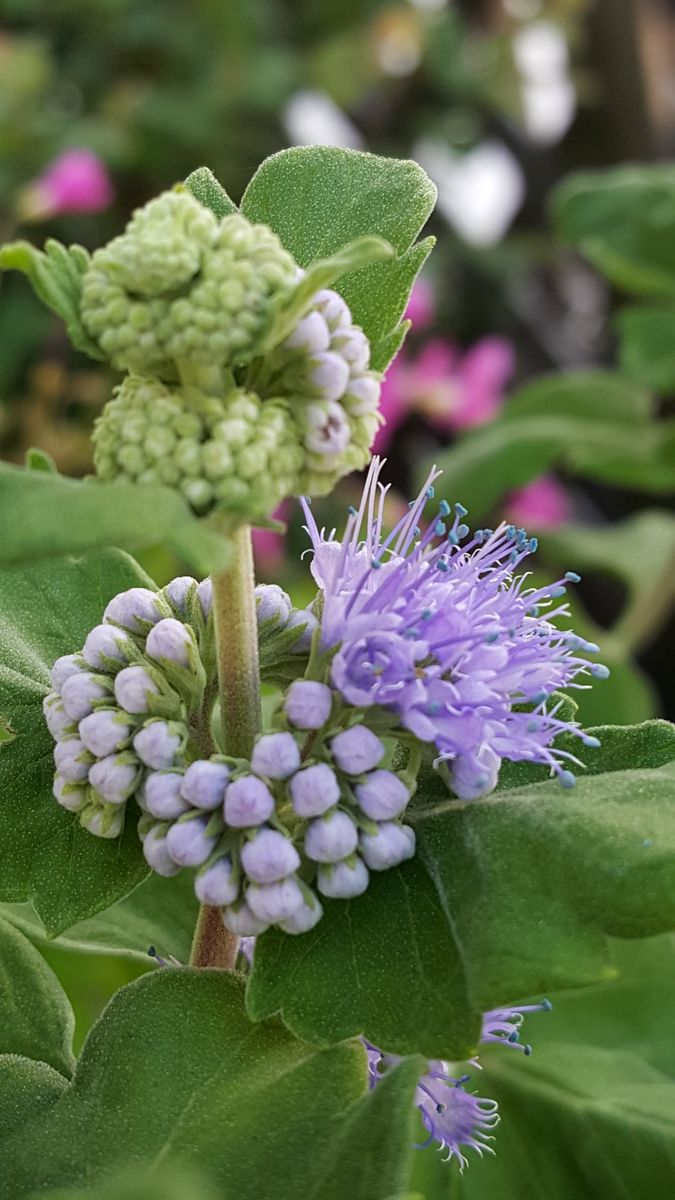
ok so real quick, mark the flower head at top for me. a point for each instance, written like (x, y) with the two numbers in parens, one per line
(440, 627)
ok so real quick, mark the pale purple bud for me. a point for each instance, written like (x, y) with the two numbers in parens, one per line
(308, 704)
(63, 668)
(272, 603)
(474, 775)
(329, 376)
(161, 795)
(330, 838)
(333, 308)
(343, 880)
(133, 608)
(69, 795)
(270, 856)
(133, 688)
(105, 731)
(217, 884)
(363, 395)
(177, 591)
(275, 755)
(104, 642)
(156, 852)
(72, 761)
(205, 594)
(273, 902)
(59, 723)
(314, 790)
(304, 621)
(80, 692)
(353, 345)
(305, 918)
(158, 744)
(103, 820)
(326, 428)
(188, 842)
(391, 845)
(357, 750)
(311, 334)
(114, 778)
(204, 783)
(242, 922)
(170, 639)
(248, 801)
(382, 795)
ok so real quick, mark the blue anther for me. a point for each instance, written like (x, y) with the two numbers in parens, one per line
(589, 647)
(572, 577)
(533, 545)
(444, 509)
(452, 538)
(534, 612)
(352, 511)
(557, 591)
(376, 563)
(491, 637)
(440, 529)
(533, 727)
(426, 614)
(647, 843)
(567, 779)
(433, 708)
(462, 531)
(600, 671)
(442, 565)
(488, 532)
(416, 531)
(527, 1049)
(431, 492)
(539, 698)
(479, 535)
(461, 510)
(591, 742)
(514, 556)
(412, 633)
(546, 1006)
(513, 1037)
(510, 531)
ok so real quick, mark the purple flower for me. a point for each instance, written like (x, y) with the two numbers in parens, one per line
(241, 921)
(305, 622)
(330, 838)
(391, 845)
(314, 790)
(103, 820)
(454, 1118)
(275, 902)
(159, 743)
(439, 627)
(275, 755)
(308, 704)
(170, 639)
(217, 883)
(248, 802)
(269, 857)
(76, 181)
(80, 693)
(357, 750)
(133, 689)
(177, 591)
(188, 842)
(382, 795)
(72, 760)
(503, 1024)
(105, 731)
(343, 880)
(72, 796)
(156, 852)
(59, 723)
(115, 777)
(205, 595)
(161, 795)
(304, 919)
(64, 667)
(272, 603)
(104, 644)
(204, 784)
(134, 609)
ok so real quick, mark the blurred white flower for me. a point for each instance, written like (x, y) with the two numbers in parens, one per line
(311, 118)
(479, 192)
(548, 93)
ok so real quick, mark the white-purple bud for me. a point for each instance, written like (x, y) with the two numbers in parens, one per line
(305, 622)
(308, 704)
(391, 845)
(177, 591)
(205, 594)
(275, 755)
(114, 777)
(161, 796)
(353, 345)
(382, 795)
(248, 801)
(272, 603)
(103, 820)
(269, 856)
(242, 922)
(204, 783)
(329, 376)
(170, 639)
(362, 395)
(343, 880)
(333, 308)
(104, 642)
(357, 750)
(311, 334)
(63, 668)
(71, 796)
(159, 744)
(133, 609)
(105, 731)
(133, 688)
(305, 918)
(217, 884)
(474, 775)
(314, 790)
(59, 723)
(71, 760)
(156, 852)
(273, 902)
(188, 842)
(326, 428)
(80, 692)
(330, 838)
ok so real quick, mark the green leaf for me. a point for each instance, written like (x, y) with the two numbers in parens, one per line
(647, 345)
(136, 1184)
(318, 198)
(46, 515)
(47, 610)
(623, 221)
(592, 1112)
(55, 275)
(507, 896)
(36, 1020)
(159, 912)
(206, 188)
(39, 460)
(174, 1074)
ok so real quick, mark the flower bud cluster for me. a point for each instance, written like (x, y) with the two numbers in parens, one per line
(237, 451)
(181, 286)
(284, 634)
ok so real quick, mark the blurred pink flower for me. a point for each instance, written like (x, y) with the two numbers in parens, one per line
(77, 181)
(421, 305)
(542, 504)
(269, 547)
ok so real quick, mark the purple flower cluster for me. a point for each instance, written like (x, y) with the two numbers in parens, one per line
(440, 628)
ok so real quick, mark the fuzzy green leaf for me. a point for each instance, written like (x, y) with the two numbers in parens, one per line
(36, 1020)
(55, 275)
(647, 345)
(206, 188)
(507, 896)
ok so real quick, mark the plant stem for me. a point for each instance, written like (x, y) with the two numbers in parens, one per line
(236, 631)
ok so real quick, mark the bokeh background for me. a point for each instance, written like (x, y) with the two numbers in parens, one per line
(540, 369)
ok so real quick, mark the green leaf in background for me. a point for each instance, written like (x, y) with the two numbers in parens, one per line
(507, 896)
(592, 1113)
(623, 221)
(205, 188)
(173, 1073)
(47, 610)
(46, 515)
(35, 1018)
(56, 277)
(319, 198)
(170, 1184)
(647, 344)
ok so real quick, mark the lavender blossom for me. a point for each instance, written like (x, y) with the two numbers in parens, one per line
(170, 639)
(134, 609)
(330, 838)
(454, 1118)
(205, 596)
(72, 760)
(71, 796)
(217, 883)
(357, 750)
(248, 802)
(156, 852)
(177, 592)
(80, 693)
(503, 1024)
(115, 777)
(382, 795)
(104, 645)
(64, 667)
(105, 731)
(161, 795)
(305, 622)
(308, 704)
(305, 918)
(391, 845)
(343, 880)
(133, 689)
(275, 902)
(272, 603)
(241, 921)
(204, 784)
(314, 790)
(269, 857)
(159, 744)
(275, 755)
(103, 820)
(188, 842)
(59, 723)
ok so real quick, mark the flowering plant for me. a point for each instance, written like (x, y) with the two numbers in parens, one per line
(386, 876)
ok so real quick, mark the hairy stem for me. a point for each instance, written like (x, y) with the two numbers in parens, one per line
(236, 632)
